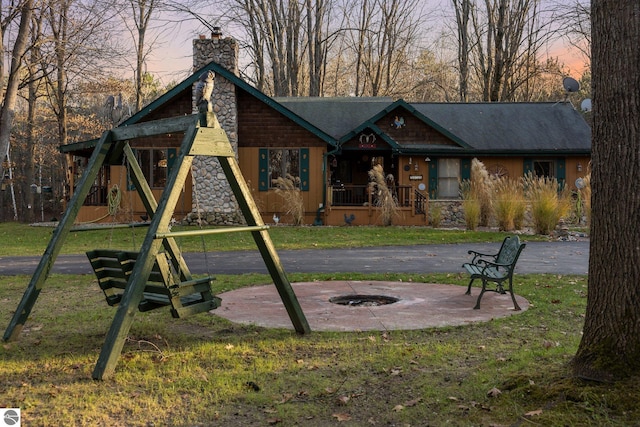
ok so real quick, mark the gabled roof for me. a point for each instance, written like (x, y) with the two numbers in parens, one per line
(335, 116)
(401, 104)
(475, 128)
(527, 127)
(187, 84)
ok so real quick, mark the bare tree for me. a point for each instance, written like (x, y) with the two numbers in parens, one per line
(384, 40)
(462, 9)
(499, 46)
(576, 28)
(610, 346)
(13, 81)
(142, 11)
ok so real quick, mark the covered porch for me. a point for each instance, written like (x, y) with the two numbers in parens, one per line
(351, 204)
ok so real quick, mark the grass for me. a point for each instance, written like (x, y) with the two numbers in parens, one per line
(22, 239)
(206, 371)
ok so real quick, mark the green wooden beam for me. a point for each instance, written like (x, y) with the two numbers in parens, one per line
(134, 290)
(57, 240)
(265, 245)
(150, 205)
(154, 127)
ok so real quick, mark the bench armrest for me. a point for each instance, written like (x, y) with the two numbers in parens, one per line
(490, 264)
(479, 255)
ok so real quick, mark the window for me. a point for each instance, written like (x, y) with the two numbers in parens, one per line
(283, 162)
(543, 168)
(154, 166)
(448, 178)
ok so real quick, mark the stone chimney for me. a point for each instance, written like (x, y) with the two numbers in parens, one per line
(212, 195)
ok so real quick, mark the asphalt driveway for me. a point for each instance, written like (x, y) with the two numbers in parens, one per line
(556, 257)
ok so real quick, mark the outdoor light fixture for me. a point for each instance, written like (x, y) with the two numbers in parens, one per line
(427, 159)
(579, 167)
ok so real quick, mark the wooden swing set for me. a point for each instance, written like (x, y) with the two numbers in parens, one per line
(157, 274)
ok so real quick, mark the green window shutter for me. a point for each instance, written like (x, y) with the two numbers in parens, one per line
(528, 166)
(263, 169)
(304, 169)
(433, 179)
(561, 172)
(465, 169)
(172, 153)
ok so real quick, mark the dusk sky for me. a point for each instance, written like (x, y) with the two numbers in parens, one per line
(172, 59)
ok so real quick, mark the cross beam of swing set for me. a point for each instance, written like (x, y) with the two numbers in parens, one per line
(203, 136)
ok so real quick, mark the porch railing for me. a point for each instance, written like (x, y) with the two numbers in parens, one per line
(359, 195)
(97, 196)
(421, 203)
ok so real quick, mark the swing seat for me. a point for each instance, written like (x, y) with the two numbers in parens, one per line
(113, 268)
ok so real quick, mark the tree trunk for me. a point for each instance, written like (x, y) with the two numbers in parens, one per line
(610, 346)
(11, 95)
(463, 9)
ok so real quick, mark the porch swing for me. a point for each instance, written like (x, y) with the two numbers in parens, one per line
(157, 274)
(169, 282)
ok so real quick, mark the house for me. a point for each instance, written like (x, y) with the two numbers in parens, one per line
(331, 144)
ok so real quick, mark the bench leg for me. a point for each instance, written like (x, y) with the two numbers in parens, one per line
(469, 287)
(484, 288)
(516, 307)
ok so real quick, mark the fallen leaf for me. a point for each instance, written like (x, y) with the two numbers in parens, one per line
(533, 413)
(413, 402)
(341, 416)
(372, 338)
(455, 399)
(286, 397)
(494, 392)
(229, 346)
(398, 408)
(272, 421)
(395, 371)
(300, 361)
(343, 400)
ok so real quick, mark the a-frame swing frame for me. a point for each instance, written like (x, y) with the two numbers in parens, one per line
(203, 136)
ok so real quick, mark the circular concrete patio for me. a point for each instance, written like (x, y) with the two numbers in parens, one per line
(419, 305)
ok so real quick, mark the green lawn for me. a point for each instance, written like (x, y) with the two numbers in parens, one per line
(22, 239)
(207, 371)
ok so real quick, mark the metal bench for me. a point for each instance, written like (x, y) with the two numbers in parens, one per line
(113, 268)
(495, 268)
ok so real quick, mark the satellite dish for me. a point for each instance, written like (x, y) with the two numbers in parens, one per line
(586, 105)
(580, 184)
(571, 85)
(421, 187)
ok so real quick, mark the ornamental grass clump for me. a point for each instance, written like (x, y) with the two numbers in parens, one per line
(470, 206)
(288, 188)
(509, 205)
(585, 197)
(481, 189)
(382, 195)
(549, 202)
